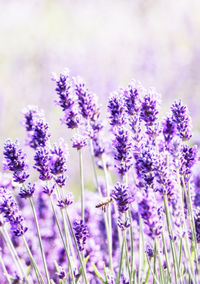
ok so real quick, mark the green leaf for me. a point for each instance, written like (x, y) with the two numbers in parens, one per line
(98, 274)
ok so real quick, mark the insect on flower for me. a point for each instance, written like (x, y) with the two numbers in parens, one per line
(105, 201)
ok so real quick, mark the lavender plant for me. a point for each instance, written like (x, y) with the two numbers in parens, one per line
(146, 180)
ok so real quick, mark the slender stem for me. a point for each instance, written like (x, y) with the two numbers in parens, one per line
(166, 257)
(13, 252)
(82, 185)
(141, 248)
(108, 227)
(121, 260)
(109, 215)
(37, 272)
(175, 262)
(127, 258)
(159, 260)
(154, 276)
(154, 261)
(68, 240)
(61, 235)
(192, 223)
(131, 238)
(40, 240)
(186, 243)
(5, 270)
(79, 255)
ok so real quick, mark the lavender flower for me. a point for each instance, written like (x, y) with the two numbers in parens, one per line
(57, 159)
(42, 163)
(15, 161)
(149, 113)
(31, 114)
(188, 159)
(145, 163)
(39, 135)
(122, 145)
(11, 213)
(68, 200)
(71, 118)
(61, 273)
(151, 215)
(60, 180)
(132, 100)
(121, 196)
(64, 90)
(27, 191)
(116, 109)
(79, 141)
(81, 233)
(169, 129)
(87, 101)
(123, 224)
(149, 109)
(182, 119)
(48, 189)
(197, 224)
(36, 127)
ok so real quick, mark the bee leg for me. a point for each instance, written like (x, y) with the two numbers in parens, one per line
(103, 208)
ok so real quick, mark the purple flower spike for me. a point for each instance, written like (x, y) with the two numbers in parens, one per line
(28, 191)
(132, 99)
(58, 158)
(11, 213)
(181, 117)
(79, 141)
(48, 189)
(42, 163)
(71, 118)
(122, 145)
(40, 135)
(81, 233)
(15, 161)
(31, 114)
(197, 224)
(87, 101)
(149, 109)
(121, 196)
(61, 273)
(188, 159)
(36, 127)
(68, 200)
(169, 129)
(123, 225)
(64, 90)
(116, 109)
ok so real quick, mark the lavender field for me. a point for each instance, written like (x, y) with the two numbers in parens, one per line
(100, 171)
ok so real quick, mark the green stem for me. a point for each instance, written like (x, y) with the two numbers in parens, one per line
(121, 260)
(61, 235)
(127, 258)
(40, 240)
(154, 262)
(13, 252)
(79, 255)
(37, 272)
(5, 270)
(166, 256)
(107, 223)
(82, 185)
(186, 243)
(175, 262)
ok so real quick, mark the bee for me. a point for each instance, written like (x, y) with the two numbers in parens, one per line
(105, 201)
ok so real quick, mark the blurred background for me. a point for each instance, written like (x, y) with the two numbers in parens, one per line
(107, 42)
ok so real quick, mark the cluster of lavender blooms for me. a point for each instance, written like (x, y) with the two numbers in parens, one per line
(146, 178)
